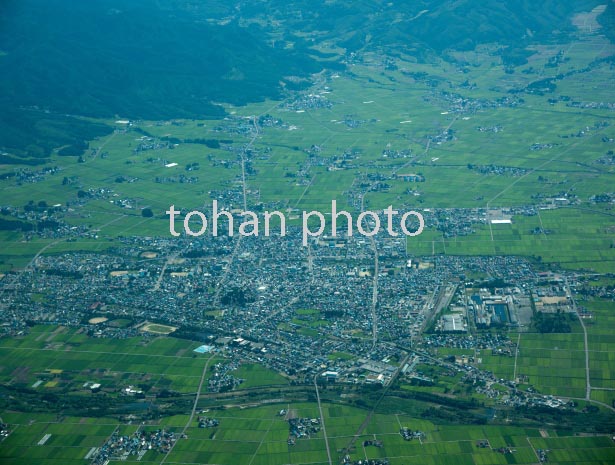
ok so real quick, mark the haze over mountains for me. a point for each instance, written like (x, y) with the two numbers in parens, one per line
(177, 59)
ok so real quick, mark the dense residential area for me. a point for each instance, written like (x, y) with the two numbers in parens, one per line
(306, 313)
(307, 232)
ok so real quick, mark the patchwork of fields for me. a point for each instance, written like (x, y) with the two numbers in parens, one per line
(67, 358)
(305, 158)
(259, 436)
(465, 141)
(64, 359)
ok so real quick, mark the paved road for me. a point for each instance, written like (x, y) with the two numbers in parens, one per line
(374, 306)
(322, 418)
(194, 406)
(588, 387)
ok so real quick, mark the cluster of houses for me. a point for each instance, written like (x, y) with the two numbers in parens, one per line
(460, 105)
(373, 442)
(497, 170)
(348, 461)
(592, 105)
(146, 143)
(487, 340)
(409, 435)
(309, 101)
(543, 455)
(180, 179)
(207, 422)
(28, 175)
(484, 444)
(302, 428)
(131, 391)
(5, 430)
(222, 379)
(123, 447)
(496, 128)
(539, 146)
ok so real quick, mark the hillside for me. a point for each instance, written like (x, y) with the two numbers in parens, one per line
(178, 59)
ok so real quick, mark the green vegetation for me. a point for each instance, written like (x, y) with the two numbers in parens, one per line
(466, 110)
(29, 137)
(259, 435)
(131, 67)
(71, 358)
(553, 322)
(576, 236)
(256, 375)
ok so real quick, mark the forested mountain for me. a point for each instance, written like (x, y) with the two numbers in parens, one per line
(178, 58)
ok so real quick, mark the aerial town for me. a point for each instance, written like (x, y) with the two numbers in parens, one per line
(290, 307)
